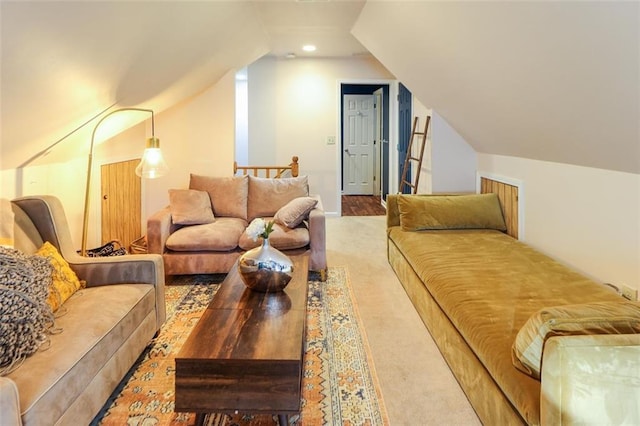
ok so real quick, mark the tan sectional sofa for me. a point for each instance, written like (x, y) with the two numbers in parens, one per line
(489, 302)
(203, 229)
(101, 329)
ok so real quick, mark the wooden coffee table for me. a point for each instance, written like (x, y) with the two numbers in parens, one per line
(245, 354)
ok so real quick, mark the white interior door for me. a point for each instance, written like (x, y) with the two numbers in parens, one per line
(358, 145)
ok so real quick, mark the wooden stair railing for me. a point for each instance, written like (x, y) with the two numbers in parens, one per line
(279, 170)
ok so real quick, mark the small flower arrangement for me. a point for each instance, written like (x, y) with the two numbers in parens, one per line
(259, 228)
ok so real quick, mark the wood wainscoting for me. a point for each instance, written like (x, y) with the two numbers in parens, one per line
(509, 200)
(121, 202)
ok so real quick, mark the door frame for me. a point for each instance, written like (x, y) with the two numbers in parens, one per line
(378, 131)
(373, 173)
(393, 131)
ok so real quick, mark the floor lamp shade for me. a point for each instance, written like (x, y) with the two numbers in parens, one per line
(151, 166)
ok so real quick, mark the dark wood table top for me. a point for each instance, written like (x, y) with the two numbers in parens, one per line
(246, 351)
(254, 325)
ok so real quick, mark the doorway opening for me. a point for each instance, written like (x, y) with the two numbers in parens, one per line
(364, 137)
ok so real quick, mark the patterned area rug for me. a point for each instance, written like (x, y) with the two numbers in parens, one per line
(339, 383)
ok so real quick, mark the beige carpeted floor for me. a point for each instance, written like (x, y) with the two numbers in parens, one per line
(417, 386)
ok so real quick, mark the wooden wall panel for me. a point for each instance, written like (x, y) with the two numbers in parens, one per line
(508, 196)
(121, 202)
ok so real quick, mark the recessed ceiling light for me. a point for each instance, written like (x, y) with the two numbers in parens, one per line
(309, 48)
(290, 55)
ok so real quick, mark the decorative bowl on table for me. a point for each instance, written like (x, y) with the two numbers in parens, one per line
(265, 269)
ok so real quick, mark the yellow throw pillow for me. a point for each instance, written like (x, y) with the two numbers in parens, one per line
(475, 211)
(64, 281)
(590, 318)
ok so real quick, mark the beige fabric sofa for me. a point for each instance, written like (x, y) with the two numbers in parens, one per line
(476, 288)
(213, 244)
(104, 328)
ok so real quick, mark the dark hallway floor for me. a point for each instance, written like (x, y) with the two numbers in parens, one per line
(362, 205)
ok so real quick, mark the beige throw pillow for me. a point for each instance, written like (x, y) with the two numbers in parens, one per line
(593, 318)
(190, 207)
(267, 195)
(295, 211)
(228, 194)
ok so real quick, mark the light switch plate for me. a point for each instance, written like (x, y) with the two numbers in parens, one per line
(331, 140)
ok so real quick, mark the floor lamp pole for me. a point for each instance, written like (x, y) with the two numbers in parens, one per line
(85, 223)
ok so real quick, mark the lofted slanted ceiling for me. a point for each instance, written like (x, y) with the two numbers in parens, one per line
(554, 81)
(63, 63)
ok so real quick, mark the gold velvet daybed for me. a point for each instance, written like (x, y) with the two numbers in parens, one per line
(476, 288)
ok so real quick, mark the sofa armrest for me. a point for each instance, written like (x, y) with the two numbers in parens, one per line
(159, 227)
(9, 403)
(393, 214)
(592, 379)
(129, 269)
(317, 239)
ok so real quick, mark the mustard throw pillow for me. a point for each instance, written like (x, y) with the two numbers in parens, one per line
(64, 282)
(591, 318)
(477, 211)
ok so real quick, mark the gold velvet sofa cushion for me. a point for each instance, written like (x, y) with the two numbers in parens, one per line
(477, 211)
(620, 317)
(488, 285)
(591, 380)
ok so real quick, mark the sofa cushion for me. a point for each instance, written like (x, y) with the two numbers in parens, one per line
(221, 235)
(488, 302)
(477, 211)
(98, 322)
(64, 282)
(190, 207)
(266, 195)
(282, 238)
(591, 318)
(295, 211)
(228, 194)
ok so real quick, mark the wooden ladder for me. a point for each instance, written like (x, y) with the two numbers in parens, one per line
(406, 180)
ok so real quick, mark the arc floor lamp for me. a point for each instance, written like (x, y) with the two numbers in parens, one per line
(152, 165)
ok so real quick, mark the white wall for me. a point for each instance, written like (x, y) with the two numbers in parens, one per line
(293, 106)
(449, 163)
(242, 118)
(63, 180)
(587, 218)
(196, 136)
(454, 160)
